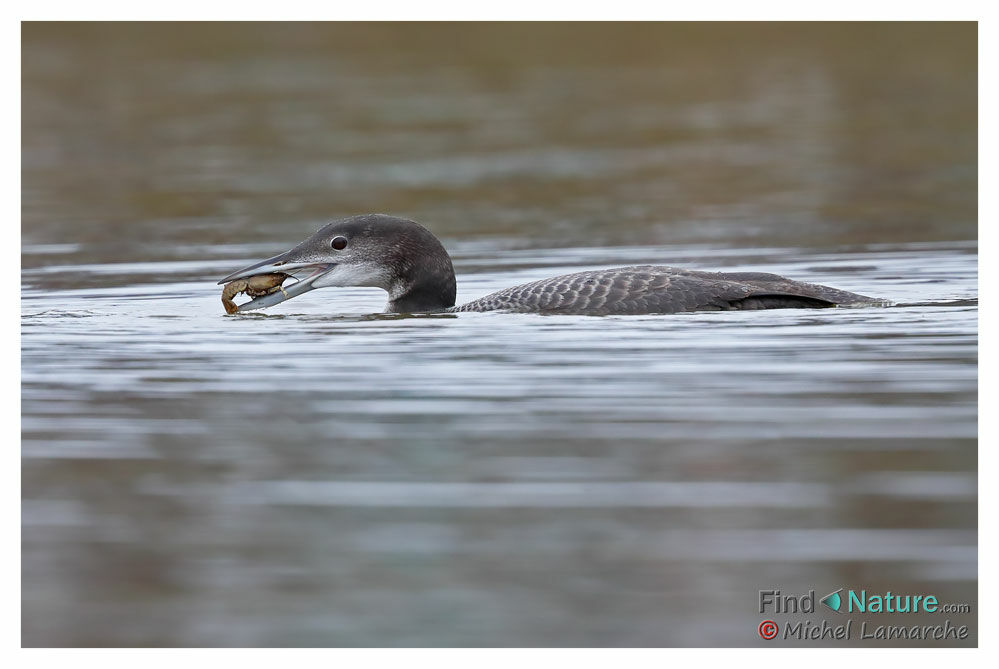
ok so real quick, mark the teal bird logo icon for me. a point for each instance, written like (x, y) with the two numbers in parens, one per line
(833, 600)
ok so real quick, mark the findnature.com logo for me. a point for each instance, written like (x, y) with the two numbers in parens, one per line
(845, 601)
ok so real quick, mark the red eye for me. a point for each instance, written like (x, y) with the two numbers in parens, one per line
(339, 243)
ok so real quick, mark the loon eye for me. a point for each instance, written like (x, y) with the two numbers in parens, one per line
(339, 243)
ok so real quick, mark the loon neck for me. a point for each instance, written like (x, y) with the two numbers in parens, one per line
(422, 298)
(423, 284)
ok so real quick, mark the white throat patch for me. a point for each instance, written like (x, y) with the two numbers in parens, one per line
(363, 274)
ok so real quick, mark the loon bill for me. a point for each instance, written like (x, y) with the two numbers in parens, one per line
(407, 261)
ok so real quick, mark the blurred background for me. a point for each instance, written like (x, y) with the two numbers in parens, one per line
(316, 475)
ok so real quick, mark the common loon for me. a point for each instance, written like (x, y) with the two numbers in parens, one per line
(410, 263)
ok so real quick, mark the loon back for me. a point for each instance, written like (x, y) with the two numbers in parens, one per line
(410, 263)
(656, 289)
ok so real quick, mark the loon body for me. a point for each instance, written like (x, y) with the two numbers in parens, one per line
(407, 261)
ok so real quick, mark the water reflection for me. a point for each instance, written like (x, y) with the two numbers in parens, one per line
(455, 458)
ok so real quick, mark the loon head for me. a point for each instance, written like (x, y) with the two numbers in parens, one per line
(395, 254)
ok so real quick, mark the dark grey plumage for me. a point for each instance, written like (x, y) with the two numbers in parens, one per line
(406, 260)
(655, 289)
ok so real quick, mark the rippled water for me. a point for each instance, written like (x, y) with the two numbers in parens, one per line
(319, 473)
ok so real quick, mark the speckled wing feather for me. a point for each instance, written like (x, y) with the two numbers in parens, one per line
(653, 289)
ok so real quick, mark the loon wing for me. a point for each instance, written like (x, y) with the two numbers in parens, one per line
(652, 289)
